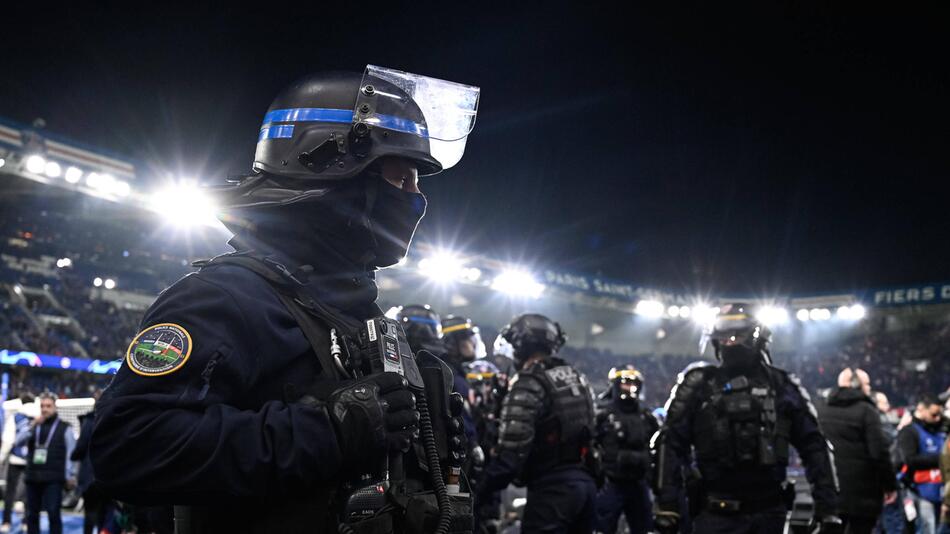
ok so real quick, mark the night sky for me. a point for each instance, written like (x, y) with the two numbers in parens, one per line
(760, 150)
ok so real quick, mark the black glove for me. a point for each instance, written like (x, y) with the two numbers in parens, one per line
(827, 524)
(666, 522)
(372, 416)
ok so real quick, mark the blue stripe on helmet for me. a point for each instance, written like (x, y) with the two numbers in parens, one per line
(309, 114)
(276, 132)
(389, 122)
(425, 320)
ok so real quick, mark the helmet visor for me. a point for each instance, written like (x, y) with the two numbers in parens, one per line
(448, 109)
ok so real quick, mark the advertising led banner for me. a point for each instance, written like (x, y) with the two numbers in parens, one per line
(601, 287)
(32, 359)
(910, 295)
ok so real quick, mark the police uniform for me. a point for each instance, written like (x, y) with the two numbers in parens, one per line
(545, 437)
(232, 402)
(740, 418)
(741, 427)
(624, 430)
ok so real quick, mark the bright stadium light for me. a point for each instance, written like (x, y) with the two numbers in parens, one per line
(109, 283)
(52, 169)
(93, 180)
(442, 267)
(73, 175)
(802, 315)
(673, 311)
(858, 312)
(36, 164)
(121, 188)
(97, 282)
(844, 312)
(2, 162)
(685, 312)
(704, 315)
(472, 274)
(517, 283)
(772, 316)
(649, 308)
(64, 262)
(183, 204)
(819, 314)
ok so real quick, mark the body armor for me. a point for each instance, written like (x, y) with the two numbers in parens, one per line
(625, 438)
(556, 397)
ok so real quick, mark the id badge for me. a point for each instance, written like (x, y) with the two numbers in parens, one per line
(39, 456)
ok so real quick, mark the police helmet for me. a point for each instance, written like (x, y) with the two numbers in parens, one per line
(335, 126)
(626, 382)
(531, 333)
(736, 331)
(463, 340)
(420, 322)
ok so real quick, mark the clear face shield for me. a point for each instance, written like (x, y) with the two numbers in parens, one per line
(448, 109)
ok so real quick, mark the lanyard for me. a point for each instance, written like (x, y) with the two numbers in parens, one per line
(49, 437)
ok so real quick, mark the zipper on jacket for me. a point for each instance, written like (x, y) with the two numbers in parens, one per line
(206, 376)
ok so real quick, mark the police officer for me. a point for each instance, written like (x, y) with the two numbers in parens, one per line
(740, 417)
(239, 400)
(624, 429)
(547, 422)
(423, 327)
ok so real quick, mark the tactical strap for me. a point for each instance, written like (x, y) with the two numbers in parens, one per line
(284, 284)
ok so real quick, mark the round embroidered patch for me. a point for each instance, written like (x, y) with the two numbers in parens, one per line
(159, 349)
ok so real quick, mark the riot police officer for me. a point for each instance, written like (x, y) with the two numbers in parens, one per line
(423, 327)
(740, 417)
(244, 400)
(547, 422)
(624, 429)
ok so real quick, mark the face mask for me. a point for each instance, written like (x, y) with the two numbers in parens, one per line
(394, 218)
(739, 356)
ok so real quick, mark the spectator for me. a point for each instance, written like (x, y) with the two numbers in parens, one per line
(852, 423)
(97, 507)
(50, 442)
(920, 444)
(14, 457)
(893, 519)
(945, 473)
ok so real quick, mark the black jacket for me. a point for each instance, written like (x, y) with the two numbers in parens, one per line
(908, 445)
(852, 424)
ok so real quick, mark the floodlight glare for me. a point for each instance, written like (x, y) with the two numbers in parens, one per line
(819, 314)
(844, 312)
(685, 312)
(802, 315)
(472, 274)
(52, 169)
(772, 316)
(858, 312)
(442, 267)
(704, 315)
(97, 282)
(649, 308)
(64, 262)
(73, 175)
(36, 164)
(93, 179)
(109, 283)
(184, 204)
(2, 162)
(121, 188)
(673, 311)
(517, 283)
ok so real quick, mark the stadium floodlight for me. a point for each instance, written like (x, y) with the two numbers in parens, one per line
(52, 169)
(517, 283)
(673, 311)
(109, 283)
(705, 315)
(649, 308)
(802, 315)
(819, 314)
(2, 162)
(121, 188)
(858, 312)
(93, 180)
(772, 315)
(36, 164)
(97, 282)
(472, 274)
(184, 204)
(64, 262)
(73, 175)
(442, 267)
(685, 312)
(844, 312)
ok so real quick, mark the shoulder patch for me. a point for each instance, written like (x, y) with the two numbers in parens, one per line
(159, 349)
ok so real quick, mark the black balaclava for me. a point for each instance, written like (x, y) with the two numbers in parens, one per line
(740, 357)
(344, 234)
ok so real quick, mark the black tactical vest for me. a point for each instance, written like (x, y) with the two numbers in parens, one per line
(738, 427)
(626, 443)
(563, 434)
